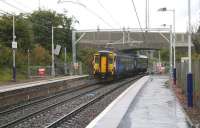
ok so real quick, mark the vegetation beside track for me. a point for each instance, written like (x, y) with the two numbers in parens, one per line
(33, 33)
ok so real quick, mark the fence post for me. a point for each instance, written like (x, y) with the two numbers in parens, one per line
(29, 73)
(80, 68)
(71, 69)
(65, 63)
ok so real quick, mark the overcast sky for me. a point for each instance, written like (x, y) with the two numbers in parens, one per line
(109, 14)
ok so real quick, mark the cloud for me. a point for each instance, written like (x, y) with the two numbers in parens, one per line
(117, 13)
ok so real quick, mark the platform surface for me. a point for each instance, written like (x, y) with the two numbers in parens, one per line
(155, 106)
(5, 88)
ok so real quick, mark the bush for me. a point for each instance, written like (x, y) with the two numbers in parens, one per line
(5, 56)
(86, 57)
(40, 56)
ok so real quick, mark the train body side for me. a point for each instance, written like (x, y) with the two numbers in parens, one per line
(109, 65)
(141, 63)
(125, 65)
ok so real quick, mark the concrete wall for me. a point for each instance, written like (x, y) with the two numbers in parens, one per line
(26, 94)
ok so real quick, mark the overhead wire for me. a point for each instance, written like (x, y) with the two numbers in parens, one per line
(6, 13)
(46, 28)
(89, 10)
(20, 3)
(23, 12)
(13, 6)
(136, 13)
(116, 22)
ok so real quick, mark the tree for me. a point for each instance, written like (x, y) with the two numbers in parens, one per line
(6, 57)
(196, 41)
(43, 58)
(23, 31)
(42, 22)
(164, 53)
(86, 57)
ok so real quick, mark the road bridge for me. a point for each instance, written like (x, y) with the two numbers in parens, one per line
(124, 40)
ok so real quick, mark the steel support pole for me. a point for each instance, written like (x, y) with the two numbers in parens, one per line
(123, 38)
(73, 47)
(29, 73)
(171, 40)
(39, 5)
(159, 57)
(128, 40)
(147, 15)
(52, 51)
(65, 64)
(174, 47)
(14, 52)
(189, 75)
(14, 66)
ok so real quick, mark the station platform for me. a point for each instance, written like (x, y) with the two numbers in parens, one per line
(148, 103)
(6, 88)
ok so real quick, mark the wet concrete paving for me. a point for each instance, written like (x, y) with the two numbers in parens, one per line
(155, 107)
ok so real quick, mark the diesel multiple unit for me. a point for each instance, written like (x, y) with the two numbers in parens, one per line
(108, 64)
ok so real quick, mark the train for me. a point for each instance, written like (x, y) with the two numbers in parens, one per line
(110, 65)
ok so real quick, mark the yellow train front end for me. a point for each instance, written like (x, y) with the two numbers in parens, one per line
(104, 65)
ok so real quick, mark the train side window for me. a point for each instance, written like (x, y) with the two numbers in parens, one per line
(110, 60)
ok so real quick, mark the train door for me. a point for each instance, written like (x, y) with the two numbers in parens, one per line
(103, 65)
(110, 63)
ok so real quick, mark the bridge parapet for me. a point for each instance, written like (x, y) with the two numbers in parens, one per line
(131, 40)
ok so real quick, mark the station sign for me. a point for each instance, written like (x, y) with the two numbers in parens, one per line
(14, 45)
(57, 50)
(76, 65)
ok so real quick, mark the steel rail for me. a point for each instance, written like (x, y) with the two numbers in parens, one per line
(64, 92)
(85, 105)
(46, 109)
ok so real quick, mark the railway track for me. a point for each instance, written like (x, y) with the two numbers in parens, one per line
(52, 115)
(26, 107)
(70, 116)
(34, 102)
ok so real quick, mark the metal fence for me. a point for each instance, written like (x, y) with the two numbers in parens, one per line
(182, 70)
(60, 70)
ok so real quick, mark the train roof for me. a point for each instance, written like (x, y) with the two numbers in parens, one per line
(142, 56)
(124, 54)
(107, 51)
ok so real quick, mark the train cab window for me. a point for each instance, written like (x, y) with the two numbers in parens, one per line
(110, 59)
(97, 58)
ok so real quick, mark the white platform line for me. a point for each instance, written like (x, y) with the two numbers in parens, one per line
(36, 83)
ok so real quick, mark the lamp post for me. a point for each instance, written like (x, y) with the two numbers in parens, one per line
(174, 41)
(170, 49)
(73, 47)
(189, 75)
(171, 39)
(14, 46)
(52, 51)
